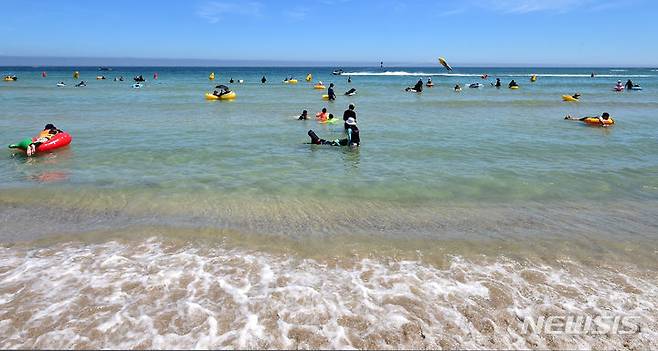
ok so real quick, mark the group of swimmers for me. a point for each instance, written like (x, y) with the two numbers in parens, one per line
(353, 137)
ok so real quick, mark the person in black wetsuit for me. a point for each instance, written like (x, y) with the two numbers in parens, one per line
(349, 113)
(350, 92)
(303, 116)
(331, 93)
(512, 84)
(417, 88)
(497, 83)
(353, 136)
(349, 79)
(263, 80)
(629, 85)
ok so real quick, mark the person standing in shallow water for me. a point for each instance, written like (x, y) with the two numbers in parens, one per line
(349, 113)
(331, 93)
(263, 80)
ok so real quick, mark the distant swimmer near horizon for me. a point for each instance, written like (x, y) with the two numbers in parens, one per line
(263, 80)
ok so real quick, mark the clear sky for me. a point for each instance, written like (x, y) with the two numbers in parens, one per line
(487, 32)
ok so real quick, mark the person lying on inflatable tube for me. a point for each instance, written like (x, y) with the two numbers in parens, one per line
(604, 120)
(223, 90)
(353, 139)
(30, 145)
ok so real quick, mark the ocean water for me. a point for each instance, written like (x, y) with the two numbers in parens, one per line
(176, 222)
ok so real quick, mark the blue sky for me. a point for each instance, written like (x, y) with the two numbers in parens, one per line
(489, 32)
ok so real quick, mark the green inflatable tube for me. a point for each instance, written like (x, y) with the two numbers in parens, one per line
(23, 144)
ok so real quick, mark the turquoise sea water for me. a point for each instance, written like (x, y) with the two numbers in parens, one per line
(494, 173)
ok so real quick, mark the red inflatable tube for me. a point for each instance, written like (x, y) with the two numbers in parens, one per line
(57, 141)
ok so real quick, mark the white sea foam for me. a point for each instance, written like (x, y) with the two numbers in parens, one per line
(427, 74)
(154, 294)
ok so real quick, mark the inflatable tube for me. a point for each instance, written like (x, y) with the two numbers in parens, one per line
(211, 76)
(292, 81)
(594, 121)
(230, 96)
(318, 86)
(61, 85)
(636, 87)
(568, 98)
(429, 85)
(533, 78)
(514, 87)
(59, 140)
(325, 97)
(10, 79)
(309, 77)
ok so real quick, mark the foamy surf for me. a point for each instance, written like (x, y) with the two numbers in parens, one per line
(433, 74)
(157, 294)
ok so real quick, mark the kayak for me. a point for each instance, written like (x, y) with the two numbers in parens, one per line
(229, 96)
(568, 98)
(58, 140)
(594, 121)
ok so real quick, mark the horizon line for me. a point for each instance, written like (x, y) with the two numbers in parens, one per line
(64, 61)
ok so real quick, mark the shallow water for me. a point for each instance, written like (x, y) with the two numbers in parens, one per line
(172, 221)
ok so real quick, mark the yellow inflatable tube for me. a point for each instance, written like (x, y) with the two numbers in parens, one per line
(292, 81)
(568, 98)
(325, 97)
(596, 122)
(229, 96)
(319, 86)
(514, 87)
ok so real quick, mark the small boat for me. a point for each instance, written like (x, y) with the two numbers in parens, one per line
(337, 72)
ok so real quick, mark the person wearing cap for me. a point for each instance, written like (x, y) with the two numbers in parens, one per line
(46, 134)
(353, 137)
(331, 93)
(349, 113)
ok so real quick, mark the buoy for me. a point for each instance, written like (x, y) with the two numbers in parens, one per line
(211, 76)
